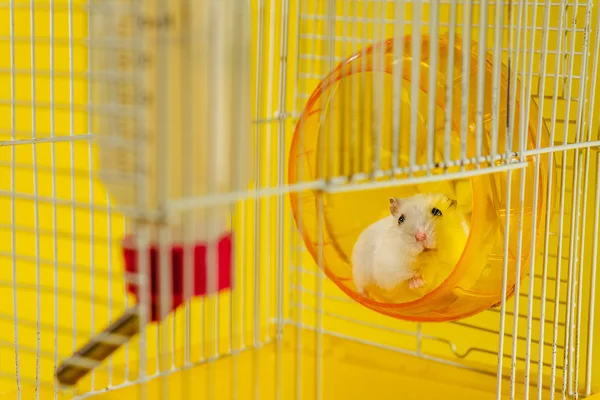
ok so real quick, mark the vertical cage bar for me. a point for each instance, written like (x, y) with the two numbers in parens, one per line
(101, 61)
(295, 109)
(238, 295)
(377, 83)
(515, 334)
(53, 171)
(13, 200)
(72, 171)
(510, 132)
(380, 150)
(355, 94)
(356, 135)
(126, 303)
(592, 296)
(345, 100)
(465, 79)
(561, 206)
(567, 388)
(219, 59)
(238, 273)
(434, 26)
(323, 173)
(329, 30)
(111, 277)
(549, 205)
(36, 204)
(188, 9)
(298, 281)
(534, 204)
(268, 172)
(525, 100)
(13, 216)
(318, 395)
(498, 30)
(163, 182)
(593, 273)
(449, 85)
(131, 226)
(415, 76)
(580, 132)
(203, 144)
(282, 107)
(189, 178)
(504, 288)
(362, 124)
(142, 227)
(482, 49)
(399, 12)
(513, 74)
(91, 202)
(257, 201)
(240, 127)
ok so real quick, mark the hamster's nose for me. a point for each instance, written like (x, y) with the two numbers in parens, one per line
(420, 236)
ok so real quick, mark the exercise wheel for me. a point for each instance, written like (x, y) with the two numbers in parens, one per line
(333, 138)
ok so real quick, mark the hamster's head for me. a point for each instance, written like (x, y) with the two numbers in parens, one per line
(423, 220)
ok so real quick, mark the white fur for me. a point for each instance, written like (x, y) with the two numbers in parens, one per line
(386, 250)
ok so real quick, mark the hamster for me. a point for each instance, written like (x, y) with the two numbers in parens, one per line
(387, 252)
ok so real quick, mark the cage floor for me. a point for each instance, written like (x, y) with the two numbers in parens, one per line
(350, 370)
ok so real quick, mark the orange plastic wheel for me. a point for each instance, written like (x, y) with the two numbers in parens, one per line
(334, 138)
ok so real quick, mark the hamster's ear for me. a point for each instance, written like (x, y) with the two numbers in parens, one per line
(453, 203)
(394, 206)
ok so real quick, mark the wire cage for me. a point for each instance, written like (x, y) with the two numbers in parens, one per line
(285, 325)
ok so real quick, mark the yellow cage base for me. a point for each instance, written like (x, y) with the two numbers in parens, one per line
(350, 370)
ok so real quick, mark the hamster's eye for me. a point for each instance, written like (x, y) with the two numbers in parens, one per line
(436, 212)
(401, 219)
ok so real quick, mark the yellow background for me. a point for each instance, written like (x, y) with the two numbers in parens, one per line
(94, 279)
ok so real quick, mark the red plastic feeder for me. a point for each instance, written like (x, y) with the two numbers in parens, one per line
(224, 269)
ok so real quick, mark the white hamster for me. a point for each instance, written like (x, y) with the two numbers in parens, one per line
(385, 252)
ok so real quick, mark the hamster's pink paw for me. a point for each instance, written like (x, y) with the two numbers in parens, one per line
(416, 282)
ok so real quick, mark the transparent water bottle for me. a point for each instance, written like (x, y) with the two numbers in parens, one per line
(171, 118)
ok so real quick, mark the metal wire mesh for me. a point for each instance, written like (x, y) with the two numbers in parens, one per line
(549, 39)
(60, 233)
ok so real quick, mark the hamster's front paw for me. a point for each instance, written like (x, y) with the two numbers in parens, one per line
(416, 282)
